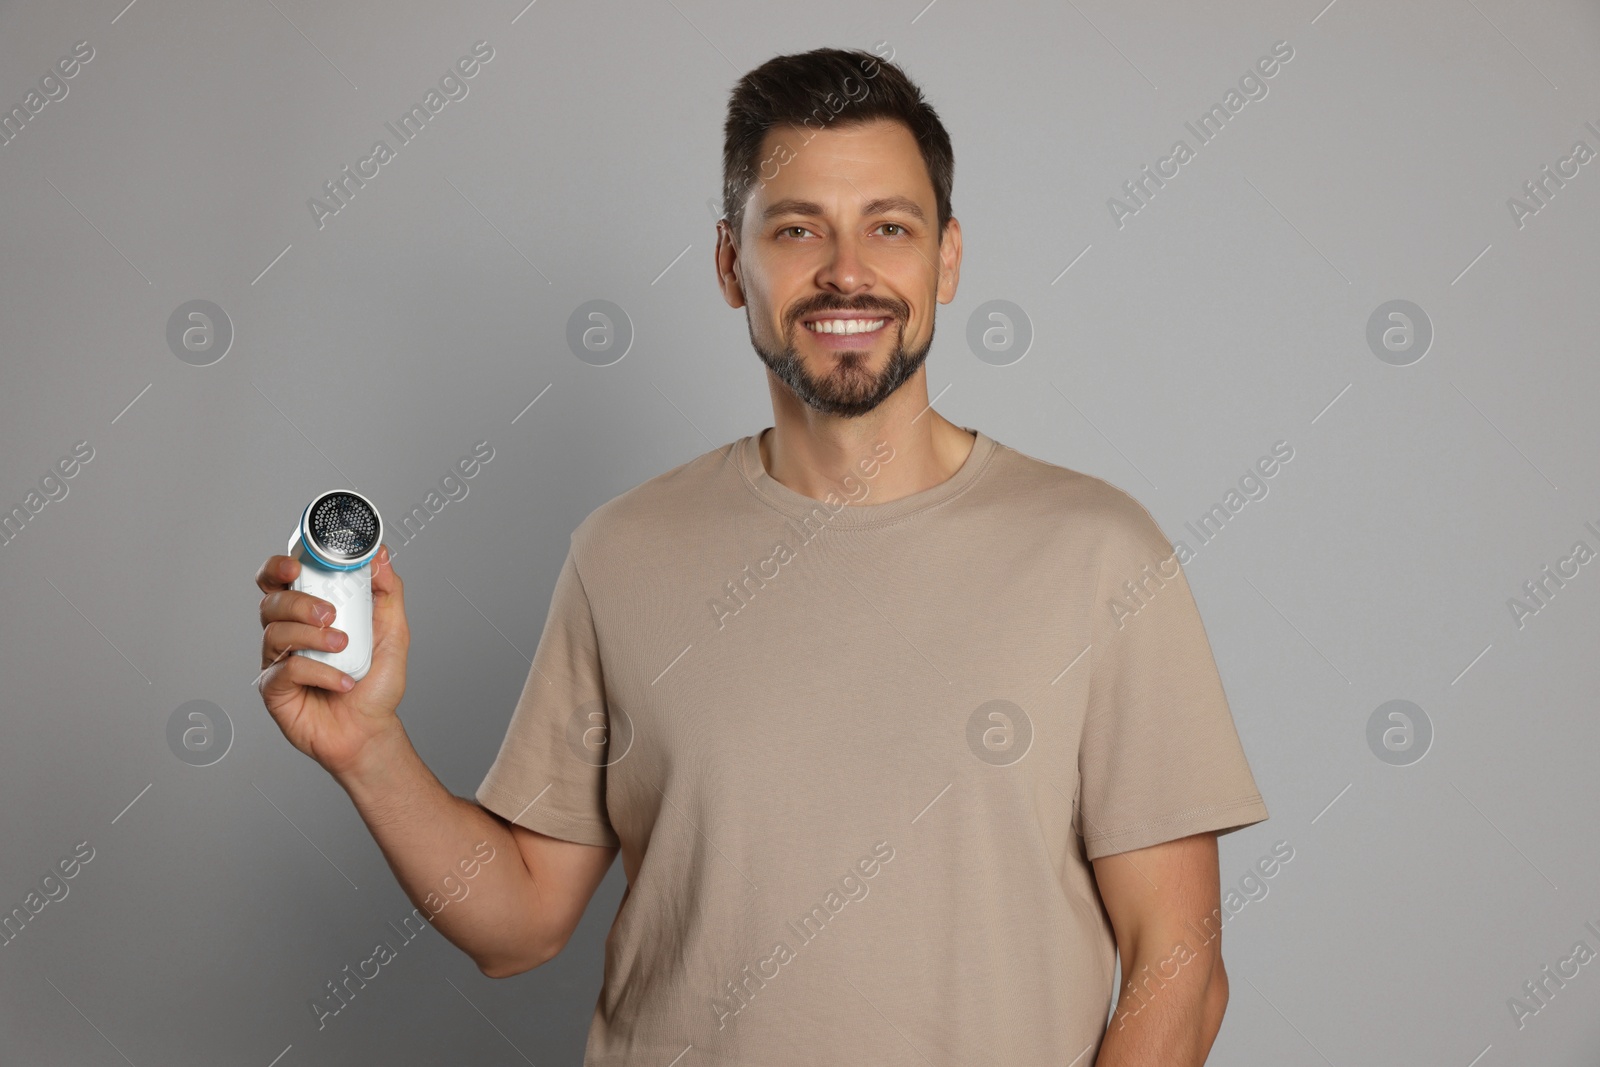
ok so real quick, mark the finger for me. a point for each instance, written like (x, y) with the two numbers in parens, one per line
(291, 605)
(385, 582)
(276, 573)
(295, 672)
(280, 637)
(388, 598)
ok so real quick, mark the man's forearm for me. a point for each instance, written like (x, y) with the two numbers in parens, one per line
(1163, 1021)
(432, 839)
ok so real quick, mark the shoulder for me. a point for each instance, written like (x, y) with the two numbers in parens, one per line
(660, 510)
(1104, 518)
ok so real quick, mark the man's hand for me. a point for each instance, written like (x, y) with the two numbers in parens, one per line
(322, 712)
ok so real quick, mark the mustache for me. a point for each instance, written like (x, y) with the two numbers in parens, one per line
(876, 308)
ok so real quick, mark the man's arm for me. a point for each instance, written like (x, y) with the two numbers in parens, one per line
(509, 909)
(521, 906)
(1164, 905)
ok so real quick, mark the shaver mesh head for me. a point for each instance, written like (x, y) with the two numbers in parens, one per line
(343, 526)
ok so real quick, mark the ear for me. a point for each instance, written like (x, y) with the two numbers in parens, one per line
(726, 256)
(949, 261)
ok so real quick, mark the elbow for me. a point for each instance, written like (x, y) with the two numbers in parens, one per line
(511, 966)
(498, 969)
(1216, 996)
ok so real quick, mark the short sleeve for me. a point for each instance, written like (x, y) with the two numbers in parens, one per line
(549, 776)
(1160, 757)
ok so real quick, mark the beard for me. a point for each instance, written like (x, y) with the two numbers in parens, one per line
(849, 389)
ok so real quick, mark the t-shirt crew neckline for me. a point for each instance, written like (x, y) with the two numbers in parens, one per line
(797, 505)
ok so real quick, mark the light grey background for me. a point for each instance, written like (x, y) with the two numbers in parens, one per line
(1228, 314)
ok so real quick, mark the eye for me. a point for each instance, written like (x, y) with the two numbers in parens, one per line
(897, 226)
(787, 229)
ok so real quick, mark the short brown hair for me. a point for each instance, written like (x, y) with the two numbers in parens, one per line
(817, 88)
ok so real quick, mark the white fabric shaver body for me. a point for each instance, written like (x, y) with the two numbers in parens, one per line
(338, 535)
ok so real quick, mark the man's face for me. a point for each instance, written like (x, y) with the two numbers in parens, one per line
(843, 235)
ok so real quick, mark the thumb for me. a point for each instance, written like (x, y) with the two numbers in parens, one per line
(388, 594)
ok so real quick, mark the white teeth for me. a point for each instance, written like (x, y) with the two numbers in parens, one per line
(844, 325)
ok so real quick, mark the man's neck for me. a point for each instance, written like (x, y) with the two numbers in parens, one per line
(895, 451)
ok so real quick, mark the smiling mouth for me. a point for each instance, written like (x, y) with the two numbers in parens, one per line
(846, 327)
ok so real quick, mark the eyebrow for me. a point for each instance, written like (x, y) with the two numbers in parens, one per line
(881, 206)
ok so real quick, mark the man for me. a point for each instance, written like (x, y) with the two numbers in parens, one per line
(903, 735)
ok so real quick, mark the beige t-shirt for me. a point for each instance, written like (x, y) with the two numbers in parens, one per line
(858, 757)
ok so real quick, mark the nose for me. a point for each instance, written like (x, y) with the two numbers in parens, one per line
(847, 270)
